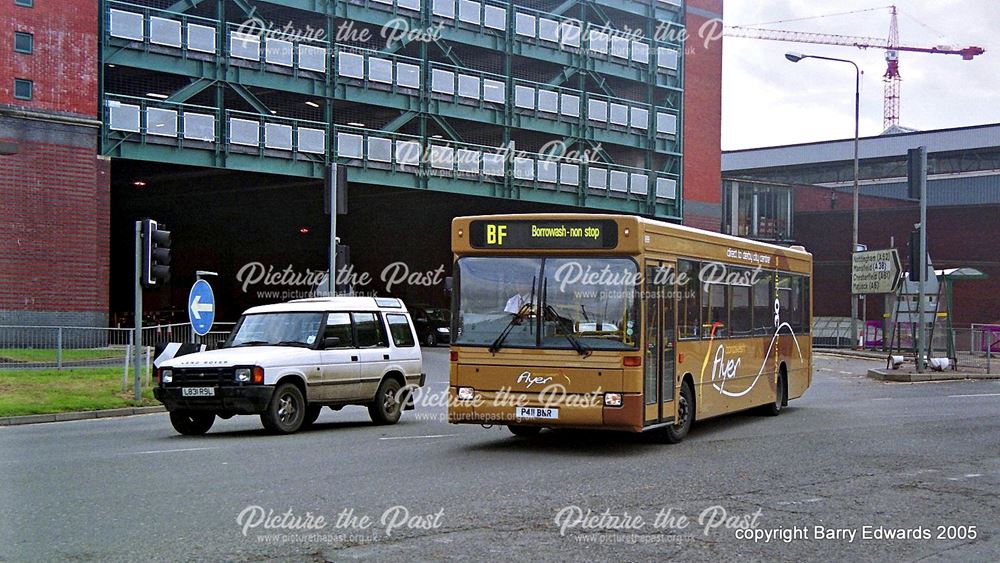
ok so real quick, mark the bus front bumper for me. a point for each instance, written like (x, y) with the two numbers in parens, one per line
(530, 409)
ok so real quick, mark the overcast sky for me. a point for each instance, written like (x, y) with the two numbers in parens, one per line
(768, 101)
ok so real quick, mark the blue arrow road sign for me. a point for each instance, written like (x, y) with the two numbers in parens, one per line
(201, 307)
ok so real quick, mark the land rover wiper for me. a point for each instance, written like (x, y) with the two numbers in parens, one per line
(293, 343)
(567, 330)
(518, 318)
(251, 343)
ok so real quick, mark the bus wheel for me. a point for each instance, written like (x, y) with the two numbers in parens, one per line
(774, 409)
(524, 431)
(685, 415)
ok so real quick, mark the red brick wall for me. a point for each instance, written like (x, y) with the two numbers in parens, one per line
(957, 236)
(64, 63)
(702, 116)
(814, 198)
(54, 224)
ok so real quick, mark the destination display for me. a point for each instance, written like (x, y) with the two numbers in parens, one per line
(543, 235)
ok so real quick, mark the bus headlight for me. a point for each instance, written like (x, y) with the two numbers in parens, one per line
(612, 399)
(466, 393)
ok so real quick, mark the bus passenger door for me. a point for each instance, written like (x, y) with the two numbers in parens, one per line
(658, 360)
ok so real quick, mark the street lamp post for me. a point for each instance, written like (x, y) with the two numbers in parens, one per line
(796, 57)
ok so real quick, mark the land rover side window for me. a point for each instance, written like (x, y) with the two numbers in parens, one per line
(688, 291)
(402, 336)
(338, 326)
(369, 330)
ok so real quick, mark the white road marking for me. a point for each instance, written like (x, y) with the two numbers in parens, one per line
(417, 437)
(171, 451)
(883, 399)
(803, 501)
(846, 373)
(971, 475)
(974, 395)
(825, 369)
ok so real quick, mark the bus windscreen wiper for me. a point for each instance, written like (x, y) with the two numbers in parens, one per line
(518, 318)
(567, 330)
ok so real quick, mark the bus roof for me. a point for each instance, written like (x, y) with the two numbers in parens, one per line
(691, 232)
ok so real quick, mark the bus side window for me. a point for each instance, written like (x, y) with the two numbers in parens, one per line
(806, 310)
(783, 293)
(714, 310)
(763, 305)
(739, 309)
(688, 308)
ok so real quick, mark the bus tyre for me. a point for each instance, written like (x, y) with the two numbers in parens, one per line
(685, 415)
(774, 409)
(287, 410)
(312, 413)
(191, 423)
(385, 409)
(524, 431)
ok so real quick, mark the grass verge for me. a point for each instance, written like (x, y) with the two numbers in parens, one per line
(50, 391)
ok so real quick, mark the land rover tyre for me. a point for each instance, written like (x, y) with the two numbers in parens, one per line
(781, 388)
(287, 410)
(524, 431)
(192, 423)
(685, 415)
(431, 339)
(386, 408)
(312, 413)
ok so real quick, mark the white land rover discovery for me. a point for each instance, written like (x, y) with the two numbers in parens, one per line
(286, 362)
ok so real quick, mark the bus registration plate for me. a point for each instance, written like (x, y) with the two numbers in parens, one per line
(534, 412)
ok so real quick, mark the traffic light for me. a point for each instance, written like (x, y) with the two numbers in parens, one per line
(155, 254)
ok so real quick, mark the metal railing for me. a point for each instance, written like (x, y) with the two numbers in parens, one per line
(60, 347)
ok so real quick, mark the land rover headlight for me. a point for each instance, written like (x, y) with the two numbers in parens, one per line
(612, 399)
(466, 393)
(242, 375)
(166, 376)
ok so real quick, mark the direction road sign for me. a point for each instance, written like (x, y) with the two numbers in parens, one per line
(875, 271)
(201, 307)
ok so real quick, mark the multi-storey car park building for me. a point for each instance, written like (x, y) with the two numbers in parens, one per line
(222, 118)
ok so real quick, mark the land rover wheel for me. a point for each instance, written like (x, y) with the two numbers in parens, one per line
(524, 431)
(191, 423)
(685, 416)
(386, 408)
(287, 410)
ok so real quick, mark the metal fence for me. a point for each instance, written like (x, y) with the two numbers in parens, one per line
(90, 347)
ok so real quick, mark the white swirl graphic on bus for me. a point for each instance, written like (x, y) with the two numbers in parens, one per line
(724, 369)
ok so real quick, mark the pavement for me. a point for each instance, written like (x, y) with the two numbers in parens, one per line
(851, 462)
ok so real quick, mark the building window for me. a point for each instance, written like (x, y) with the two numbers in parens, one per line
(25, 3)
(22, 89)
(24, 42)
(758, 211)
